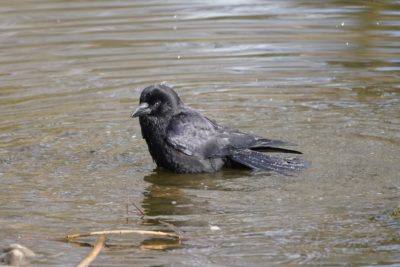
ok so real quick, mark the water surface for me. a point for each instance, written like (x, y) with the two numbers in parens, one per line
(324, 75)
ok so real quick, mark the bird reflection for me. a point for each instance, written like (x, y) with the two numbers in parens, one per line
(170, 194)
(167, 194)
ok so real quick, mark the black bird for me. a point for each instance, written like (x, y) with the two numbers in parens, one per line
(184, 141)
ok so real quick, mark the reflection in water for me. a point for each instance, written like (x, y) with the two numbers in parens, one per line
(163, 197)
(168, 193)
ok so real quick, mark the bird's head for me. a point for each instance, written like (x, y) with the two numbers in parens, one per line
(157, 100)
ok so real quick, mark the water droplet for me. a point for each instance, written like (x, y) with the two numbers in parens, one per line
(214, 228)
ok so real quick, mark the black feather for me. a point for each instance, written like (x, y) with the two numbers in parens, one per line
(182, 140)
(258, 161)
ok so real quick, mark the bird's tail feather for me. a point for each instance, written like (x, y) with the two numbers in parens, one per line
(258, 161)
(274, 149)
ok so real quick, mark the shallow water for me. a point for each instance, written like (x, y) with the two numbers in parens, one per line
(324, 75)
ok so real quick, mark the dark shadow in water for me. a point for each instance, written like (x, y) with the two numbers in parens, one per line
(167, 193)
(171, 194)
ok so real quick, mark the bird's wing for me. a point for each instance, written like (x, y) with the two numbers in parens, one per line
(193, 134)
(241, 140)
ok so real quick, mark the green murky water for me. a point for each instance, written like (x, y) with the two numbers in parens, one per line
(324, 75)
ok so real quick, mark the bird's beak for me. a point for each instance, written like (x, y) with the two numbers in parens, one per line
(142, 109)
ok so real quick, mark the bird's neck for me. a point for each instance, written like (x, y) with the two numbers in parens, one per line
(154, 132)
(153, 127)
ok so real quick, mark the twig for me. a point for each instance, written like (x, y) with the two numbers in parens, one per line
(142, 232)
(170, 225)
(173, 228)
(127, 212)
(138, 209)
(94, 252)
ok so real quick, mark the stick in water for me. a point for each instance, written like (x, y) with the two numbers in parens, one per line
(98, 246)
(109, 232)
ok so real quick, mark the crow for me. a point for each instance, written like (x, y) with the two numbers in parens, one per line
(184, 141)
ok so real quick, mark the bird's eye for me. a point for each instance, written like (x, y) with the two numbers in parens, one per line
(156, 104)
(155, 107)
